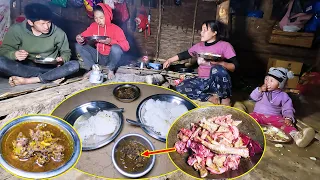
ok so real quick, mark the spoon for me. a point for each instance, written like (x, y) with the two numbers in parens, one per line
(137, 123)
(94, 110)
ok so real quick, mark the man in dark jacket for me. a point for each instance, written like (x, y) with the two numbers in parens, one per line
(34, 40)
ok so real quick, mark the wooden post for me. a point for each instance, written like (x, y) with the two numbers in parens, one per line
(159, 29)
(194, 21)
(318, 60)
(223, 16)
(266, 7)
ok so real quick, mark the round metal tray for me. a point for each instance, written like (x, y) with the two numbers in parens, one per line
(82, 112)
(162, 97)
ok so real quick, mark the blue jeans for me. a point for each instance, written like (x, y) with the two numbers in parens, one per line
(89, 56)
(218, 83)
(27, 69)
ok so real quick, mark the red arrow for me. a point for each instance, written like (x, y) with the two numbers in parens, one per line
(147, 153)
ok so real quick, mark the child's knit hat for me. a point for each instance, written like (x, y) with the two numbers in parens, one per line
(281, 74)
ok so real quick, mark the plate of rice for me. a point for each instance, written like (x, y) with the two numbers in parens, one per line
(159, 111)
(95, 131)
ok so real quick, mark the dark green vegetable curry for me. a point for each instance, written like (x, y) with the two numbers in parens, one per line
(128, 156)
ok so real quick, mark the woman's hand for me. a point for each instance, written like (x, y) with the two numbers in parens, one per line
(166, 64)
(105, 41)
(229, 66)
(288, 122)
(169, 61)
(80, 39)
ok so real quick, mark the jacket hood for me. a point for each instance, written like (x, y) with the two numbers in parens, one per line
(107, 13)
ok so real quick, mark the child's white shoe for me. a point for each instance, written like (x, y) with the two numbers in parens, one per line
(304, 137)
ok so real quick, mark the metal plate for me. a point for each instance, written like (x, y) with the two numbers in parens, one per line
(210, 57)
(45, 61)
(277, 138)
(82, 112)
(65, 127)
(95, 38)
(162, 97)
(248, 127)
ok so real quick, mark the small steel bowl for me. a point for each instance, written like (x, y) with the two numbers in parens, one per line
(63, 125)
(123, 86)
(144, 141)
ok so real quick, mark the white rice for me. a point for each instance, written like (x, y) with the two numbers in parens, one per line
(161, 114)
(102, 124)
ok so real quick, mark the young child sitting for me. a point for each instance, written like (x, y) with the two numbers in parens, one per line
(274, 107)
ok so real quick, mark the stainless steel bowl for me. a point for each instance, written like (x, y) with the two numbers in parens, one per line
(162, 97)
(82, 112)
(144, 141)
(49, 120)
(126, 100)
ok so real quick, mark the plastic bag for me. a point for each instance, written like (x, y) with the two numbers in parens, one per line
(76, 3)
(89, 5)
(62, 3)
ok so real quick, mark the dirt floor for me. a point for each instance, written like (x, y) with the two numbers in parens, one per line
(287, 163)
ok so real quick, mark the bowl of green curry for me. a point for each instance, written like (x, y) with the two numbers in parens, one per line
(38, 147)
(127, 158)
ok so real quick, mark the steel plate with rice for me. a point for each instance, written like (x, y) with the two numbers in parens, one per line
(96, 130)
(159, 111)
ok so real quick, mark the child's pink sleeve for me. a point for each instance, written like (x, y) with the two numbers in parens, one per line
(256, 95)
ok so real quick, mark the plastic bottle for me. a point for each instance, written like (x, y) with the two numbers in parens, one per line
(145, 58)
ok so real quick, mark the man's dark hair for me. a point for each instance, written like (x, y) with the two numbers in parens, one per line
(35, 12)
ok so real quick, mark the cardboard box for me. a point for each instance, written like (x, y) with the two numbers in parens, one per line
(293, 66)
(292, 83)
(299, 39)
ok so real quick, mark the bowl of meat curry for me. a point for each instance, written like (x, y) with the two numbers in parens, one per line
(127, 155)
(38, 146)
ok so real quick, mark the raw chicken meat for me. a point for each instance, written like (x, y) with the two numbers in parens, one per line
(216, 144)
